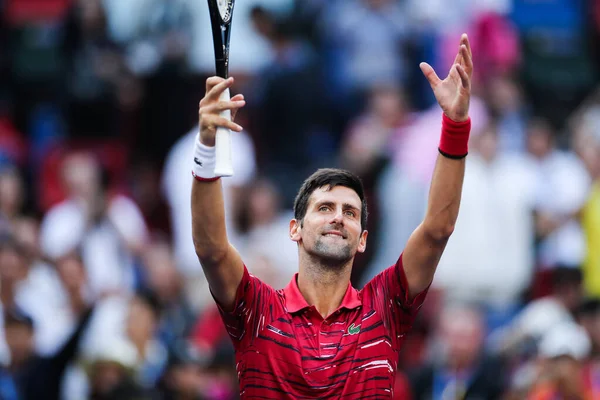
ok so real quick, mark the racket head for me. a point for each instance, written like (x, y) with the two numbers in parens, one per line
(221, 13)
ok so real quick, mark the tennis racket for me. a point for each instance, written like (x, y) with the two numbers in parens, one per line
(221, 12)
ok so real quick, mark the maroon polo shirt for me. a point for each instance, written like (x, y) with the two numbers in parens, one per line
(286, 350)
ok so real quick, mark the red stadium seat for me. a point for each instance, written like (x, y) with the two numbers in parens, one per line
(25, 11)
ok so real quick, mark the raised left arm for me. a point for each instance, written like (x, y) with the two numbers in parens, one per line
(426, 244)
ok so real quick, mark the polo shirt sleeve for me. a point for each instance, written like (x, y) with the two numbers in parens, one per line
(389, 295)
(250, 309)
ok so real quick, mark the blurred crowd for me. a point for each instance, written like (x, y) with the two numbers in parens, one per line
(101, 293)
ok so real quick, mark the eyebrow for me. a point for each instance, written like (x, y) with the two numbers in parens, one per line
(345, 206)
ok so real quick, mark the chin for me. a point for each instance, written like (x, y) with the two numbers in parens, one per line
(333, 255)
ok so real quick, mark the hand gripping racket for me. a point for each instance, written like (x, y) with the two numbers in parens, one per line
(220, 17)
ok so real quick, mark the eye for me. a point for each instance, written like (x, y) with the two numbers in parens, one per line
(323, 208)
(350, 213)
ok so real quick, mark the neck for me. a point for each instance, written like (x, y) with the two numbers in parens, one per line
(323, 286)
(141, 344)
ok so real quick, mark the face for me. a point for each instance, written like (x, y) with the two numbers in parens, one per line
(106, 376)
(539, 141)
(11, 193)
(331, 229)
(81, 174)
(487, 144)
(13, 266)
(462, 333)
(141, 322)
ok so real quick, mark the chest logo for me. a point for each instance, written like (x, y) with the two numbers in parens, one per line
(353, 330)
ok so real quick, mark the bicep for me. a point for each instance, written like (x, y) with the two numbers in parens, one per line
(421, 257)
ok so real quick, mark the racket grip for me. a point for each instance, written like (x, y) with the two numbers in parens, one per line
(223, 162)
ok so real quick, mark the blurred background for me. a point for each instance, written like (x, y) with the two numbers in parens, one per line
(101, 293)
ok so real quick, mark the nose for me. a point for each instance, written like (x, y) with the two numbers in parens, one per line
(338, 217)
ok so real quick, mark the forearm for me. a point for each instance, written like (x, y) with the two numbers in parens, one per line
(208, 222)
(444, 197)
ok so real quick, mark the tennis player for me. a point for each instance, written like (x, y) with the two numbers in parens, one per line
(320, 338)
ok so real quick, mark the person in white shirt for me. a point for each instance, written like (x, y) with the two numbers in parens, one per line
(108, 229)
(562, 185)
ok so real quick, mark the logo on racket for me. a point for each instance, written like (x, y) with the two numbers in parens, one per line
(225, 9)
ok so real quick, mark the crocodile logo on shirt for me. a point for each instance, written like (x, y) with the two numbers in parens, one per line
(353, 330)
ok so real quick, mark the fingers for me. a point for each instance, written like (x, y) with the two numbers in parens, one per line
(430, 74)
(459, 57)
(215, 86)
(464, 77)
(216, 108)
(466, 54)
(464, 40)
(238, 97)
(467, 61)
(211, 122)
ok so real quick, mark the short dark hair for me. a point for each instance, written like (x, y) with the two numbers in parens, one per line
(330, 178)
(151, 300)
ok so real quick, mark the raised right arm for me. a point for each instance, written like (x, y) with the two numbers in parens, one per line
(222, 264)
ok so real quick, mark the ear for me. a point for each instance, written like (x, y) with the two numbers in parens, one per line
(362, 241)
(295, 230)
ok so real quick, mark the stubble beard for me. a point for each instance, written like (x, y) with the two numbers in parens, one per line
(332, 256)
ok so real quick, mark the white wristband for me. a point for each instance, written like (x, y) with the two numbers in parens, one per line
(203, 167)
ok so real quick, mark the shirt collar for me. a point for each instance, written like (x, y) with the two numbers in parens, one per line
(294, 301)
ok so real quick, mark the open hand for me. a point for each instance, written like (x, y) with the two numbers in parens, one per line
(454, 92)
(211, 107)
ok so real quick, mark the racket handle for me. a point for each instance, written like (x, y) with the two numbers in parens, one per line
(224, 163)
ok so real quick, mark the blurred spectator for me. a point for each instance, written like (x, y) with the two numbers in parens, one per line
(459, 367)
(540, 315)
(28, 367)
(506, 103)
(588, 316)
(183, 375)
(177, 190)
(266, 247)
(557, 70)
(561, 187)
(189, 377)
(366, 144)
(159, 46)
(142, 329)
(108, 228)
(176, 317)
(111, 372)
(12, 193)
(402, 187)
(94, 73)
(366, 151)
(293, 116)
(366, 42)
(586, 143)
(493, 240)
(563, 351)
(156, 53)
